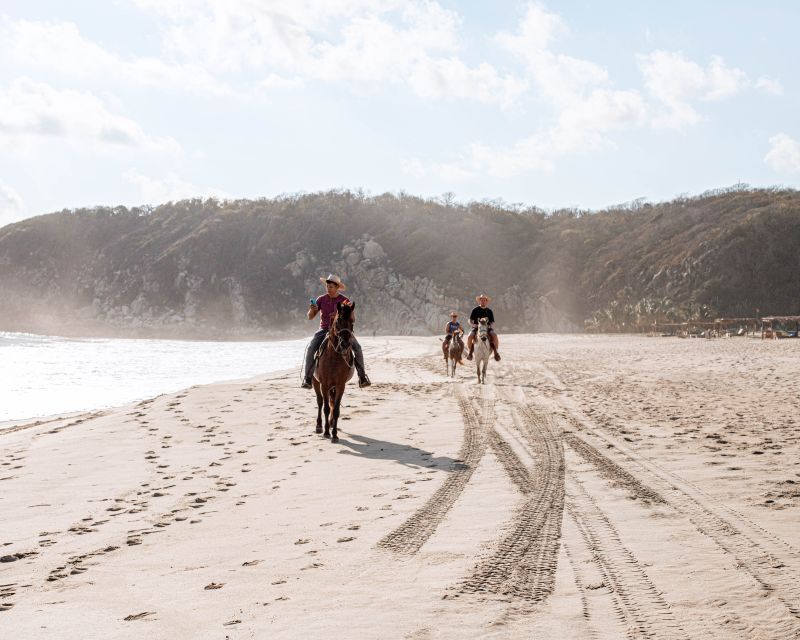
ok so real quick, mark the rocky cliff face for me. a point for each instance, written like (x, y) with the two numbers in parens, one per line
(247, 268)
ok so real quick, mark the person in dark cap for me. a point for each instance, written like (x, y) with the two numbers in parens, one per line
(451, 329)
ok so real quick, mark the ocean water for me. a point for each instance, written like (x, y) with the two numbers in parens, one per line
(47, 375)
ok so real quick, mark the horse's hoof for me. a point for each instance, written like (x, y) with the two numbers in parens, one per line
(327, 435)
(335, 439)
(319, 429)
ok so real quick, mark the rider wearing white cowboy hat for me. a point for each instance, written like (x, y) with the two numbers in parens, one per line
(482, 311)
(326, 306)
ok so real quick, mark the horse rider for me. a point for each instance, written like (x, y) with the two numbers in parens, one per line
(326, 306)
(482, 311)
(452, 328)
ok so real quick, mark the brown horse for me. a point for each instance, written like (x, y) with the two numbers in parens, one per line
(453, 351)
(334, 369)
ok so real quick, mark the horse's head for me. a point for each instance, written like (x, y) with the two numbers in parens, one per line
(483, 328)
(342, 325)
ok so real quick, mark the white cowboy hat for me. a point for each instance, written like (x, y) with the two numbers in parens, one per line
(335, 279)
(483, 295)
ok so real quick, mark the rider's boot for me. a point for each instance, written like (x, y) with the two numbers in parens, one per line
(306, 384)
(471, 349)
(493, 343)
(363, 381)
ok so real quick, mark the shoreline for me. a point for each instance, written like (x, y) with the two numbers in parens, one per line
(9, 426)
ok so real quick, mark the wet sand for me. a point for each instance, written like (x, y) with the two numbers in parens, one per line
(595, 487)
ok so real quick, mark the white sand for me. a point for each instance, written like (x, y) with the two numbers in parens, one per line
(596, 487)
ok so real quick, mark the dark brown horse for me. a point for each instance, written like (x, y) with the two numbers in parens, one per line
(334, 369)
(452, 350)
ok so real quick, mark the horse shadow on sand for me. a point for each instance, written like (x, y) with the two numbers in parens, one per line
(405, 454)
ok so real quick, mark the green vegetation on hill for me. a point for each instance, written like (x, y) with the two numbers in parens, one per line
(247, 267)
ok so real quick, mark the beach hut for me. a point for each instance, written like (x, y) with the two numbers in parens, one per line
(744, 325)
(780, 327)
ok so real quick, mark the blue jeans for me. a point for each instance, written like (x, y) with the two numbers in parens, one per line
(313, 346)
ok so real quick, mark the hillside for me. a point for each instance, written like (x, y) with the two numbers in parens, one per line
(247, 267)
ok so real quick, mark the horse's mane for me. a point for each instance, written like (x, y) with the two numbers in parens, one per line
(343, 311)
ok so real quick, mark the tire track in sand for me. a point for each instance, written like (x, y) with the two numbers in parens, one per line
(612, 471)
(772, 563)
(409, 537)
(769, 562)
(640, 607)
(525, 562)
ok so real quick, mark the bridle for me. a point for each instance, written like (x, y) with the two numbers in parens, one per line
(483, 330)
(340, 340)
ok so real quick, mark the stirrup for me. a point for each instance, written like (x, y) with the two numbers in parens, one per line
(364, 382)
(306, 384)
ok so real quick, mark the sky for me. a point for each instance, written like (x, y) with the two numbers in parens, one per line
(552, 104)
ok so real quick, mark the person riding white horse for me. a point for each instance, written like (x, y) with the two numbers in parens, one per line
(482, 311)
(326, 306)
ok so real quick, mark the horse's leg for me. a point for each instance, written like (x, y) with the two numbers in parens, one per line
(337, 401)
(327, 408)
(315, 383)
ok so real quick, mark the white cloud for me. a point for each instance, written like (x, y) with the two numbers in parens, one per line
(60, 47)
(723, 81)
(784, 154)
(585, 108)
(769, 85)
(537, 30)
(170, 187)
(11, 205)
(451, 79)
(560, 78)
(31, 111)
(367, 43)
(676, 81)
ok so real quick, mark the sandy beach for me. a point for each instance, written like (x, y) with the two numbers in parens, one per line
(596, 487)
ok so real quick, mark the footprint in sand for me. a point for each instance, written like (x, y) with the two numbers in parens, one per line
(139, 616)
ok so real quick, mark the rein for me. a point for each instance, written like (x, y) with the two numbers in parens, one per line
(340, 344)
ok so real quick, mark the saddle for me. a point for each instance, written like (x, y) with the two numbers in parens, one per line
(349, 357)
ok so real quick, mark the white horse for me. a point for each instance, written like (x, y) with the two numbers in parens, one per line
(483, 349)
